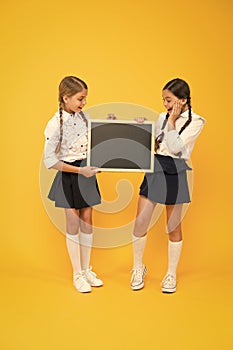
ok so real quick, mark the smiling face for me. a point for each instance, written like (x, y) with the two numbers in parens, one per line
(169, 99)
(76, 102)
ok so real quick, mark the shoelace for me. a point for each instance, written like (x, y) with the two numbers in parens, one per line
(169, 280)
(137, 275)
(80, 278)
(90, 275)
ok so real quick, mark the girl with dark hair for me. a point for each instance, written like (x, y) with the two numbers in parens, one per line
(176, 132)
(75, 187)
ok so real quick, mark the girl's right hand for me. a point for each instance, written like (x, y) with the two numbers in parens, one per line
(88, 171)
(176, 110)
(140, 120)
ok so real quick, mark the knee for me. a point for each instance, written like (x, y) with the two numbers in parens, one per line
(86, 218)
(85, 213)
(86, 221)
(72, 227)
(140, 228)
(175, 235)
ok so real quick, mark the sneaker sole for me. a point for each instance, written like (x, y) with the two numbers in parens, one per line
(96, 285)
(85, 291)
(169, 291)
(137, 287)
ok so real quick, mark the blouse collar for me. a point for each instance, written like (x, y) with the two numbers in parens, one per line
(67, 115)
(185, 114)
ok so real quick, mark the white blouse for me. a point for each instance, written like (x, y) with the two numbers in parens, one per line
(175, 145)
(74, 141)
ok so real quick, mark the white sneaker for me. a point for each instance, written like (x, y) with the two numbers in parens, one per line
(169, 284)
(81, 284)
(137, 279)
(91, 278)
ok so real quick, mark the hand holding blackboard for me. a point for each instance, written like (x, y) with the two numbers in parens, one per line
(140, 120)
(111, 116)
(88, 171)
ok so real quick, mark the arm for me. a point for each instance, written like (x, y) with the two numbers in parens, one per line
(86, 171)
(182, 144)
(51, 159)
(179, 143)
(52, 134)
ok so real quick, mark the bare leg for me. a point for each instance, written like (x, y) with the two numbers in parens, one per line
(144, 214)
(85, 215)
(72, 221)
(174, 213)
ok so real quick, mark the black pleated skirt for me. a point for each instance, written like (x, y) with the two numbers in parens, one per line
(70, 190)
(168, 183)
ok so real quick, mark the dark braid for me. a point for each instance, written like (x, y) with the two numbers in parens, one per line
(156, 145)
(190, 116)
(61, 129)
(159, 138)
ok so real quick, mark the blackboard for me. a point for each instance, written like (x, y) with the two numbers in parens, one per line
(121, 145)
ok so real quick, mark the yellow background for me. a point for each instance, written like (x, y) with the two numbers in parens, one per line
(125, 51)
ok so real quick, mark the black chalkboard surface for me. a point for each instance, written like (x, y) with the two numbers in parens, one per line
(121, 145)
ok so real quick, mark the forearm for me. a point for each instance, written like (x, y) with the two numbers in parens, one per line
(86, 171)
(179, 143)
(174, 142)
(61, 166)
(171, 124)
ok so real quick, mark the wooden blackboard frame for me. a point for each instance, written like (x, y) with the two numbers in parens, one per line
(143, 132)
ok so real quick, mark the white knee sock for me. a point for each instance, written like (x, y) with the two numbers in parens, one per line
(85, 240)
(174, 251)
(72, 243)
(139, 244)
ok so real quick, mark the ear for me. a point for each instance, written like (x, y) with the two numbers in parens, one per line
(184, 101)
(65, 98)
